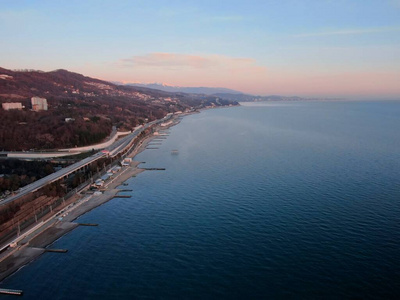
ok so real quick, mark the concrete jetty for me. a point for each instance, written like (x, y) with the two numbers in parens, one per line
(11, 292)
(56, 250)
(88, 224)
(122, 196)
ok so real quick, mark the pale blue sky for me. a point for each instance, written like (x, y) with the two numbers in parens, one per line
(308, 48)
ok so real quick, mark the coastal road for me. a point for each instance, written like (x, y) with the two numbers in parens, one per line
(63, 152)
(30, 188)
(114, 149)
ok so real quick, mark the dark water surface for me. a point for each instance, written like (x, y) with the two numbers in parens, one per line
(264, 201)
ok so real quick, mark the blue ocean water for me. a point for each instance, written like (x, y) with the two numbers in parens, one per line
(277, 200)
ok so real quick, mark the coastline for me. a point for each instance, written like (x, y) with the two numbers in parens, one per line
(34, 244)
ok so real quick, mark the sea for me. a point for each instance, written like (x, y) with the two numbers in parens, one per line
(269, 200)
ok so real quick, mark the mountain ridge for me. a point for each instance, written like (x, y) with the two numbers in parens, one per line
(223, 93)
(81, 110)
(182, 89)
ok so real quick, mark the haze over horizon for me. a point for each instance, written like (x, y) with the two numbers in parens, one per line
(305, 48)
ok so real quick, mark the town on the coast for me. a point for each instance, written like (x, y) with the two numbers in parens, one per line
(69, 147)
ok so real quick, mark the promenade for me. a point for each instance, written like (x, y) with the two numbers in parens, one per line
(32, 244)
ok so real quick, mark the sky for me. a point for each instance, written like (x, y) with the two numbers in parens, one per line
(312, 48)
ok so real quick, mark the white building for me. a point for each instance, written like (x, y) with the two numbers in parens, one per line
(11, 105)
(38, 103)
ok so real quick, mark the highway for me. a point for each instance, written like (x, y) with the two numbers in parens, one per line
(62, 152)
(114, 149)
(30, 188)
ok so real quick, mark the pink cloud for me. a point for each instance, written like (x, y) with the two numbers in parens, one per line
(166, 60)
(246, 75)
(350, 32)
(332, 83)
(184, 61)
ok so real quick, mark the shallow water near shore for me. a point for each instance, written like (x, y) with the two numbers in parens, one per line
(282, 200)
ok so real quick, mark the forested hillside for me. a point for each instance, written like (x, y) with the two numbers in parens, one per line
(81, 110)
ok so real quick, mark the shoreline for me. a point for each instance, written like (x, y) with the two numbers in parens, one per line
(34, 244)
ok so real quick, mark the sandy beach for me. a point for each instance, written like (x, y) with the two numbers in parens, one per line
(34, 244)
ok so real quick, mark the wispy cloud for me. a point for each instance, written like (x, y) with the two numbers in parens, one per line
(349, 32)
(172, 12)
(227, 18)
(185, 61)
(163, 60)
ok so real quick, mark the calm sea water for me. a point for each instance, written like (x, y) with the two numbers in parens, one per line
(264, 201)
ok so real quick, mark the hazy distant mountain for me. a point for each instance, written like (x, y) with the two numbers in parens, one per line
(222, 93)
(253, 98)
(189, 90)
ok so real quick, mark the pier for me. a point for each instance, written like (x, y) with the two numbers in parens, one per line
(11, 292)
(56, 250)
